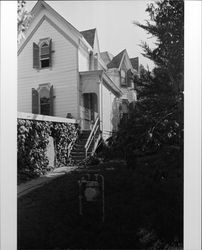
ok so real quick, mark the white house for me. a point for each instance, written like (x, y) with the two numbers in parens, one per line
(61, 72)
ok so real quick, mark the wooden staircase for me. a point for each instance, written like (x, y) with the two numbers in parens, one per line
(87, 143)
(78, 153)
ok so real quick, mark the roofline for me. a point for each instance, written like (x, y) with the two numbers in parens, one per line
(37, 6)
(113, 85)
(102, 74)
(37, 26)
(83, 40)
(91, 72)
(125, 53)
(54, 12)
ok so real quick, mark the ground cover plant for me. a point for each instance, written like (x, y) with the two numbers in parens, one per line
(141, 212)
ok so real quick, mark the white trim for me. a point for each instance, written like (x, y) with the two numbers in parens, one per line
(44, 18)
(42, 3)
(30, 116)
(125, 54)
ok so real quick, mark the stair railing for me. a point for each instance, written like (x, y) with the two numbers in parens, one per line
(92, 136)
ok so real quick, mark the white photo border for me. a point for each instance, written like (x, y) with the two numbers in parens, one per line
(8, 125)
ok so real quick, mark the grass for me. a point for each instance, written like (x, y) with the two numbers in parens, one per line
(139, 214)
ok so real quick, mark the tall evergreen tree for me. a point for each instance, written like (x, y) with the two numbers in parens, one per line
(151, 139)
(167, 26)
(156, 123)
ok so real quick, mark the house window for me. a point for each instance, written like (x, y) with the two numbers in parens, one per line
(123, 78)
(42, 54)
(42, 100)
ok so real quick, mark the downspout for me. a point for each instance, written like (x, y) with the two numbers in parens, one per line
(101, 106)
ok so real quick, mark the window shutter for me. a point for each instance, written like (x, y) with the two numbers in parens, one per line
(51, 101)
(50, 53)
(35, 101)
(129, 78)
(35, 56)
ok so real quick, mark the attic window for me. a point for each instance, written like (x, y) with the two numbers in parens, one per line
(42, 54)
(123, 78)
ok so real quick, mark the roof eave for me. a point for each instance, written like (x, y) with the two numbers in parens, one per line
(112, 84)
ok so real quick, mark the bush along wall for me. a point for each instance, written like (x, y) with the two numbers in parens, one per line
(32, 142)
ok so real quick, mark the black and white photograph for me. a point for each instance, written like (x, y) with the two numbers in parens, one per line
(100, 125)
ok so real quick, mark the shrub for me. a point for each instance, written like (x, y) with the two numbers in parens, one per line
(32, 141)
(64, 134)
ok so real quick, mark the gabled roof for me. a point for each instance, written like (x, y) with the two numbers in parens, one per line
(35, 10)
(89, 35)
(135, 62)
(115, 62)
(42, 3)
(106, 57)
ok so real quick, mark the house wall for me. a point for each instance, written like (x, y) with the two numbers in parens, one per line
(110, 111)
(83, 60)
(63, 74)
(115, 76)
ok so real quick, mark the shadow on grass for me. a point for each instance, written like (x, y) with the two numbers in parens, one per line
(138, 213)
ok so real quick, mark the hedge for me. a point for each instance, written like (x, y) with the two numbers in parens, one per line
(32, 141)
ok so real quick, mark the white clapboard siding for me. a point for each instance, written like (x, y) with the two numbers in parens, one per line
(107, 116)
(63, 74)
(83, 61)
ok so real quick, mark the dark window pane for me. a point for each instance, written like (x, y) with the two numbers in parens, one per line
(45, 106)
(45, 63)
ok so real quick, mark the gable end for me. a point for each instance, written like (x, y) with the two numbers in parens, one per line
(53, 25)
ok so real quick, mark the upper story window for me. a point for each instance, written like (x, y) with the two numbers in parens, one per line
(42, 54)
(123, 78)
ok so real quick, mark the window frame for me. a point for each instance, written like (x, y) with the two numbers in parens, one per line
(40, 44)
(39, 89)
(123, 77)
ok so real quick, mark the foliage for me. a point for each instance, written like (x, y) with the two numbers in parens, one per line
(23, 19)
(156, 123)
(32, 143)
(64, 134)
(167, 26)
(151, 138)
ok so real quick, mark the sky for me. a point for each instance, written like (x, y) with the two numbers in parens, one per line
(114, 23)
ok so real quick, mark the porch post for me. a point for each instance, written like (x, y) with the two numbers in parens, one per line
(101, 104)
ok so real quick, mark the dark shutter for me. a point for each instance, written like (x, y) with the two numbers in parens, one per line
(50, 53)
(35, 101)
(35, 56)
(129, 78)
(51, 101)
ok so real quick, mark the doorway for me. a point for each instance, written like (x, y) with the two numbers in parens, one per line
(90, 110)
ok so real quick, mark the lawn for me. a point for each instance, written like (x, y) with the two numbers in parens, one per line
(139, 214)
